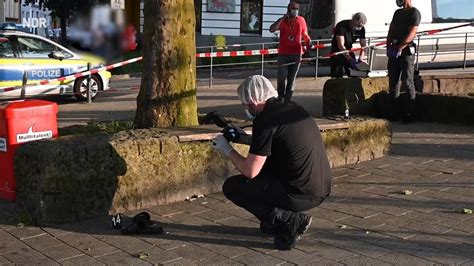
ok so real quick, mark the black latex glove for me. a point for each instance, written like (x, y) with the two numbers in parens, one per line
(235, 134)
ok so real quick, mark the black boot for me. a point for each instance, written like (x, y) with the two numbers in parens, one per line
(142, 225)
(409, 112)
(275, 229)
(275, 224)
(294, 224)
(395, 109)
(288, 96)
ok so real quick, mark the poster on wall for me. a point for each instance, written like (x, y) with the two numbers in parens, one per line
(225, 6)
(251, 16)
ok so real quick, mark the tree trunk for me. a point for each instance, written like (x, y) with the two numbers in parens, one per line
(167, 94)
(63, 22)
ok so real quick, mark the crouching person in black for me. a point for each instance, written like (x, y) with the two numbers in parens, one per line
(286, 171)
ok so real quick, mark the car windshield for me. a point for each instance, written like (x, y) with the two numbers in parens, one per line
(36, 48)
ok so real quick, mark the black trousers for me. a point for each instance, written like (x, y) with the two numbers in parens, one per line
(263, 193)
(288, 66)
(401, 71)
(340, 65)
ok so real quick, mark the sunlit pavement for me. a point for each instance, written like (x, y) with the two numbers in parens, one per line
(370, 218)
(405, 208)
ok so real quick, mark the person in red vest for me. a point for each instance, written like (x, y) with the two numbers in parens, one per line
(129, 39)
(293, 30)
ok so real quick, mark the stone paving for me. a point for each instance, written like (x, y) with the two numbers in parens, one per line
(368, 220)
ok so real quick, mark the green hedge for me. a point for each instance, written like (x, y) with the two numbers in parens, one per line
(132, 68)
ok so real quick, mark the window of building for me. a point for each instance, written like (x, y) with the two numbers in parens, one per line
(452, 10)
(251, 16)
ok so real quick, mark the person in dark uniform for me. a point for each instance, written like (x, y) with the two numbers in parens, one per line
(346, 33)
(286, 171)
(401, 58)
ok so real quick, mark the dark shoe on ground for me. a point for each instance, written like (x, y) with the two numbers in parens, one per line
(305, 224)
(297, 225)
(275, 229)
(152, 229)
(407, 119)
(132, 229)
(142, 219)
(142, 225)
(282, 243)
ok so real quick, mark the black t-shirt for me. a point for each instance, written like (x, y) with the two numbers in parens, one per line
(402, 20)
(290, 138)
(343, 28)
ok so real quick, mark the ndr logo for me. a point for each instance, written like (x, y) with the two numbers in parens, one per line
(32, 22)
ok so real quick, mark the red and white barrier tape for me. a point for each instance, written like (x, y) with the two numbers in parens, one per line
(419, 34)
(222, 54)
(238, 53)
(383, 43)
(75, 75)
(251, 52)
(317, 46)
(353, 50)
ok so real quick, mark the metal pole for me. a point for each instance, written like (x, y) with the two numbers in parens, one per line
(369, 58)
(23, 84)
(210, 69)
(372, 58)
(465, 52)
(369, 53)
(263, 58)
(316, 65)
(417, 52)
(89, 94)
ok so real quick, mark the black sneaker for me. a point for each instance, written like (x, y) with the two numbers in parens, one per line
(275, 229)
(297, 225)
(305, 224)
(407, 119)
(142, 225)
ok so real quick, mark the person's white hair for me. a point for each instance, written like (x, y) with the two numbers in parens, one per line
(256, 89)
(359, 18)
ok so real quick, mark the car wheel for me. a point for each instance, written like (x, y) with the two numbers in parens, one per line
(80, 88)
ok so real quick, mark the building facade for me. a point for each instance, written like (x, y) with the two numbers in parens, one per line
(234, 19)
(238, 18)
(9, 11)
(37, 19)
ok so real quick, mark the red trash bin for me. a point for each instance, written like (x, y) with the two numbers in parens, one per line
(22, 121)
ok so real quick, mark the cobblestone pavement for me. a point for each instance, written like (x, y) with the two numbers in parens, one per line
(367, 220)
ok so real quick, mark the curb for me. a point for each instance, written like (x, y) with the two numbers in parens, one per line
(116, 77)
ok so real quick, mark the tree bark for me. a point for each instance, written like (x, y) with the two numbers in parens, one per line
(167, 94)
(63, 22)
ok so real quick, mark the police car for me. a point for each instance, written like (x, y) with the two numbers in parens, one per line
(44, 59)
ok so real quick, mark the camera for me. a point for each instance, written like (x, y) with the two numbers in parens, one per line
(231, 132)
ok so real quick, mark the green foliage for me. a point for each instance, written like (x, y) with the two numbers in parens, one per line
(132, 68)
(24, 219)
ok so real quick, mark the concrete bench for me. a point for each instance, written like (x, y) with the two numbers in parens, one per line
(76, 177)
(440, 98)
